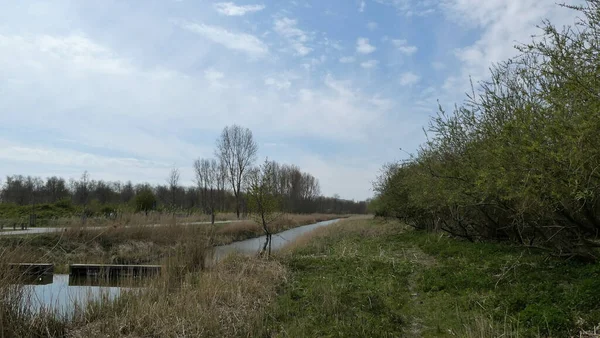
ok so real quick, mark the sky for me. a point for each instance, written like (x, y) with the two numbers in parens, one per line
(129, 89)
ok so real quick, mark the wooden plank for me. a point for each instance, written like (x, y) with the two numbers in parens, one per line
(36, 269)
(113, 270)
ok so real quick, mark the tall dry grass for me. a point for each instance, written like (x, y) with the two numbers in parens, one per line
(135, 244)
(225, 301)
(188, 299)
(123, 219)
(17, 318)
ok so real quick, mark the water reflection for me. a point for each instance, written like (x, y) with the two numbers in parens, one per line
(36, 279)
(110, 281)
(63, 297)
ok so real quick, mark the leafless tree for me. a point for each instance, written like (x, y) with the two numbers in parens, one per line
(237, 149)
(173, 182)
(207, 177)
(85, 178)
(221, 182)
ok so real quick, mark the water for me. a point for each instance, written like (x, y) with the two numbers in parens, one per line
(254, 245)
(60, 294)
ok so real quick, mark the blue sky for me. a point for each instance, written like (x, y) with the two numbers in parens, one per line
(129, 89)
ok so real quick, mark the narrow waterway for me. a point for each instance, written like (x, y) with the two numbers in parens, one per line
(254, 245)
(63, 294)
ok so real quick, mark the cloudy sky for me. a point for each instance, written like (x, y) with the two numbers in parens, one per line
(129, 89)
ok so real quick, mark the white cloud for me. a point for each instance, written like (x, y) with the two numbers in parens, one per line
(82, 53)
(279, 84)
(159, 97)
(372, 25)
(502, 24)
(231, 9)
(369, 64)
(347, 59)
(244, 42)
(297, 38)
(334, 174)
(404, 47)
(213, 75)
(361, 6)
(214, 78)
(363, 46)
(126, 104)
(409, 79)
(438, 65)
(48, 155)
(410, 8)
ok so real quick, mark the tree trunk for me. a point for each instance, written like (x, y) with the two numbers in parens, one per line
(270, 242)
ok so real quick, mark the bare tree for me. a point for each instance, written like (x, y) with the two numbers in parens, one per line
(237, 149)
(173, 182)
(221, 182)
(83, 184)
(207, 177)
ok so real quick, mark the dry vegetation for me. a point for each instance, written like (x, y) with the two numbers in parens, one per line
(228, 300)
(190, 298)
(133, 244)
(123, 219)
(359, 277)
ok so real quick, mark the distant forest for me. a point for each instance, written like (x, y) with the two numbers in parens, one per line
(220, 188)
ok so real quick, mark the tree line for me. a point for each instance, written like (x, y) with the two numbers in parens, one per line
(519, 161)
(220, 186)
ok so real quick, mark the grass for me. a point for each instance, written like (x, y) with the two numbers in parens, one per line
(189, 298)
(379, 279)
(63, 214)
(356, 278)
(228, 300)
(133, 244)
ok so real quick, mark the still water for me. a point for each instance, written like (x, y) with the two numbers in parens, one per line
(61, 295)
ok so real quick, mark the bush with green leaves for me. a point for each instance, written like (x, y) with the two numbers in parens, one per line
(520, 159)
(145, 201)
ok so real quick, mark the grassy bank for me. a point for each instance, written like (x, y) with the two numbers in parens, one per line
(120, 219)
(378, 279)
(358, 278)
(134, 244)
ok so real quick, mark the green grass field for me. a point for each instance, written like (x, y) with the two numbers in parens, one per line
(371, 278)
(356, 278)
